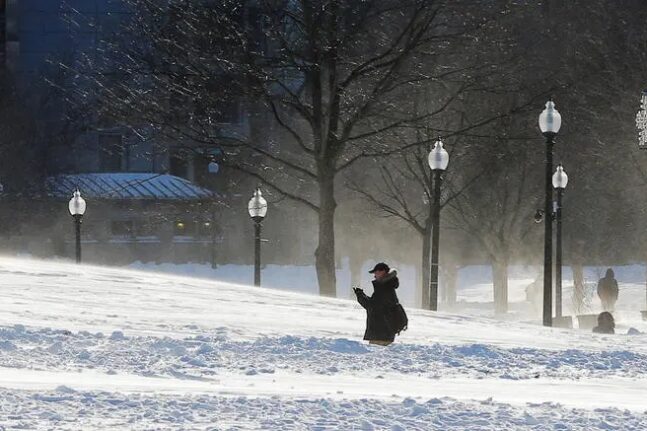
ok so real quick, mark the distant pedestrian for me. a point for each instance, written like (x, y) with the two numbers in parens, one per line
(608, 291)
(606, 324)
(535, 295)
(384, 315)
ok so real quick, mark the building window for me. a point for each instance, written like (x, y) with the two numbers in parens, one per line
(184, 228)
(202, 175)
(121, 228)
(227, 107)
(206, 229)
(145, 228)
(258, 24)
(178, 164)
(228, 111)
(111, 151)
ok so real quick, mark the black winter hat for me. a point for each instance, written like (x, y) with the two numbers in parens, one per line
(380, 267)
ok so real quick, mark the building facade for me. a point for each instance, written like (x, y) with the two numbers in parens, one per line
(207, 224)
(143, 200)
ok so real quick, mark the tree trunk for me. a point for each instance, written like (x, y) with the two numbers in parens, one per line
(325, 253)
(500, 279)
(426, 266)
(355, 264)
(578, 288)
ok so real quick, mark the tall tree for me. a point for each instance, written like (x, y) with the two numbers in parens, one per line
(405, 192)
(326, 83)
(497, 212)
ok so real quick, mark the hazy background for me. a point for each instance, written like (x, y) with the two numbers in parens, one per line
(331, 107)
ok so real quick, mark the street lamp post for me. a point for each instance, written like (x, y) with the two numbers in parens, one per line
(560, 180)
(641, 125)
(77, 209)
(257, 208)
(549, 123)
(213, 168)
(438, 161)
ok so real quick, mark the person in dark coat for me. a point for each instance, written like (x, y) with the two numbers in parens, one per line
(608, 291)
(606, 324)
(378, 328)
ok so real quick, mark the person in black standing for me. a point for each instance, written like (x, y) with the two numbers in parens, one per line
(379, 329)
(608, 291)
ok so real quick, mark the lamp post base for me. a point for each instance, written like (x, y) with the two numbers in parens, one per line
(587, 321)
(563, 322)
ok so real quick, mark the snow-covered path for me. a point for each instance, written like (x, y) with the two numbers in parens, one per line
(621, 393)
(55, 295)
(185, 352)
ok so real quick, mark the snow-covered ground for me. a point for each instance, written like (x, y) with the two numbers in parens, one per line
(86, 347)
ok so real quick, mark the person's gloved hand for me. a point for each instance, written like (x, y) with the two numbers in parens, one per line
(357, 290)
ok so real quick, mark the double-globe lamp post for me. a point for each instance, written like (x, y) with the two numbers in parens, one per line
(438, 161)
(77, 209)
(549, 123)
(560, 180)
(257, 208)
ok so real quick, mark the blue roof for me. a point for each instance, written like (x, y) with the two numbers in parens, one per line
(126, 186)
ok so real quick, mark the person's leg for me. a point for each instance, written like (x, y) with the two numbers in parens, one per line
(605, 303)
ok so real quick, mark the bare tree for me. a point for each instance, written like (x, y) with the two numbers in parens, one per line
(325, 83)
(22, 155)
(497, 211)
(405, 192)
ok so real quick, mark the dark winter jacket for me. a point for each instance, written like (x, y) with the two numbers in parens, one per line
(606, 323)
(603, 330)
(608, 287)
(378, 307)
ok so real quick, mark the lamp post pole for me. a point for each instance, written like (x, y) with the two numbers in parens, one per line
(438, 161)
(550, 122)
(213, 236)
(77, 229)
(558, 255)
(257, 251)
(213, 168)
(257, 208)
(641, 125)
(548, 235)
(560, 180)
(435, 242)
